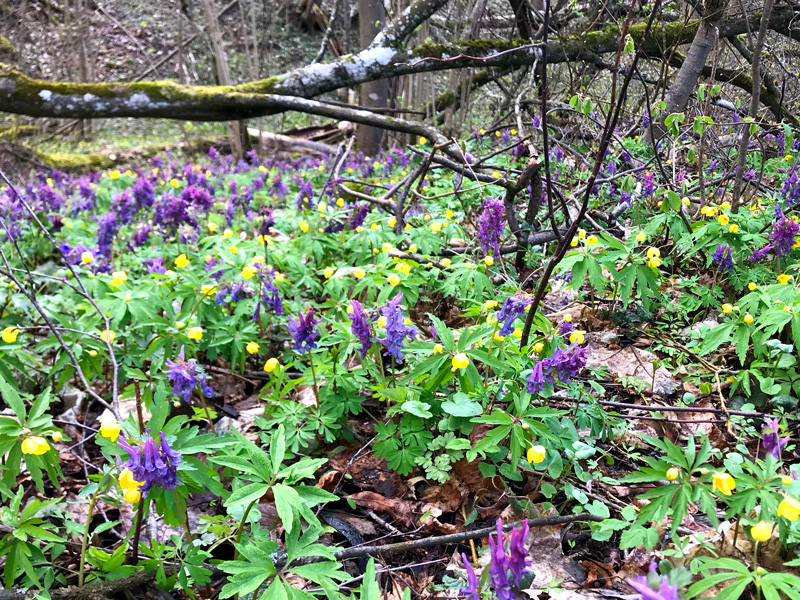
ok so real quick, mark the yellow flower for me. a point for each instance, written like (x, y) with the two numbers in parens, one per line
(436, 227)
(126, 480)
(279, 276)
(359, 272)
(194, 333)
(498, 337)
(118, 278)
(412, 247)
(271, 365)
(752, 286)
(392, 221)
(87, 257)
(92, 353)
(748, 318)
(181, 261)
(322, 207)
(227, 233)
(727, 308)
(109, 429)
(517, 333)
(789, 508)
(233, 250)
(581, 234)
(654, 262)
(212, 227)
(783, 279)
(653, 252)
(673, 474)
(642, 236)
(10, 335)
(403, 268)
(481, 131)
(328, 272)
(685, 201)
(303, 226)
(445, 262)
(393, 279)
(723, 219)
(490, 304)
(35, 445)
(723, 482)
(340, 202)
(385, 247)
(375, 227)
(787, 157)
(762, 531)
(448, 213)
(251, 347)
(133, 495)
(536, 454)
(568, 318)
(108, 336)
(576, 337)
(460, 361)
(786, 480)
(249, 271)
(574, 242)
(733, 228)
(489, 261)
(591, 240)
(56, 436)
(422, 141)
(438, 349)
(208, 289)
(538, 347)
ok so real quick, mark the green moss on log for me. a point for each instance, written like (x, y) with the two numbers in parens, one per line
(77, 162)
(12, 132)
(6, 46)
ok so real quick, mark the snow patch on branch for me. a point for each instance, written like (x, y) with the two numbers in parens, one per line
(45, 95)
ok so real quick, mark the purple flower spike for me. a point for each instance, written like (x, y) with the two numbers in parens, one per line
(490, 225)
(653, 587)
(783, 233)
(304, 331)
(471, 591)
(184, 377)
(498, 570)
(518, 562)
(156, 465)
(513, 307)
(396, 329)
(773, 444)
(508, 570)
(722, 256)
(361, 328)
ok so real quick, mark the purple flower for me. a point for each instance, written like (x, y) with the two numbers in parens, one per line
(565, 328)
(490, 225)
(304, 331)
(184, 377)
(359, 213)
(198, 198)
(360, 327)
(506, 570)
(653, 587)
(471, 591)
(513, 307)
(783, 233)
(396, 329)
(791, 188)
(154, 265)
(153, 465)
(722, 256)
(563, 364)
(760, 254)
(266, 222)
(107, 230)
(171, 212)
(143, 193)
(770, 439)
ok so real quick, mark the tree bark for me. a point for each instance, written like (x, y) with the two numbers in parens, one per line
(372, 94)
(684, 84)
(239, 138)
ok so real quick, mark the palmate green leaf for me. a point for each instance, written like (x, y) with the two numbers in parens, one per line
(709, 581)
(287, 501)
(246, 494)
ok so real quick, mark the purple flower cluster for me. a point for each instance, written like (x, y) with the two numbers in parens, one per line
(360, 327)
(154, 265)
(513, 307)
(170, 212)
(153, 465)
(304, 331)
(783, 233)
(507, 570)
(563, 364)
(772, 442)
(184, 377)
(654, 587)
(490, 225)
(722, 256)
(791, 188)
(197, 197)
(396, 329)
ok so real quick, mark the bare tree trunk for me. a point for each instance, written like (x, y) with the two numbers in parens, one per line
(754, 100)
(375, 94)
(238, 129)
(684, 84)
(84, 59)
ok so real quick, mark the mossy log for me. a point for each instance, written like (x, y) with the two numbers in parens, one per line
(384, 58)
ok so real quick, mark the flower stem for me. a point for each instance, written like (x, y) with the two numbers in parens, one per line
(183, 515)
(240, 530)
(379, 362)
(85, 540)
(314, 377)
(208, 412)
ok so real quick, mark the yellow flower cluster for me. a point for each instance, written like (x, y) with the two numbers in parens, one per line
(35, 445)
(130, 487)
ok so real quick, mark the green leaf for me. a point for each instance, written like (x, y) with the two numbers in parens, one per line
(286, 499)
(369, 589)
(12, 398)
(461, 406)
(417, 408)
(246, 494)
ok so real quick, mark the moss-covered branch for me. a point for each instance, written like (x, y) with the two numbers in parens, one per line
(24, 95)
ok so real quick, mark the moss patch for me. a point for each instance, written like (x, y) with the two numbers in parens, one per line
(69, 161)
